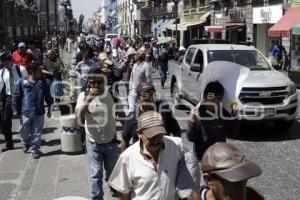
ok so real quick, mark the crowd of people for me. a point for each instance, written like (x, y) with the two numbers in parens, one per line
(150, 162)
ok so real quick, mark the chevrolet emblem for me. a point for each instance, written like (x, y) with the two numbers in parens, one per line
(265, 94)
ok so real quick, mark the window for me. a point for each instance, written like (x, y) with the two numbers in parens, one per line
(189, 55)
(194, 3)
(199, 58)
(257, 3)
(248, 58)
(242, 3)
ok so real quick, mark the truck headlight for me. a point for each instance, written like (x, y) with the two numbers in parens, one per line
(292, 89)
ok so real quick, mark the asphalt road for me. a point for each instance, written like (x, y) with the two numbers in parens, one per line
(277, 153)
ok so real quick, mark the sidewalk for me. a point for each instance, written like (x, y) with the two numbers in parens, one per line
(53, 175)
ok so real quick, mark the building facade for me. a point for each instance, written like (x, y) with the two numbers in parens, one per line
(18, 20)
(239, 21)
(55, 16)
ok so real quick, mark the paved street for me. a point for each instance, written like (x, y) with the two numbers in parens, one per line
(57, 175)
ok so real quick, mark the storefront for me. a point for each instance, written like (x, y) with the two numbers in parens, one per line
(191, 30)
(288, 28)
(230, 25)
(263, 19)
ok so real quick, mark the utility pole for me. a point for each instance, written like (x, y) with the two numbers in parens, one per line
(176, 23)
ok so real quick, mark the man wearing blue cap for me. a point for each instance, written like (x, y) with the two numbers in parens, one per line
(21, 57)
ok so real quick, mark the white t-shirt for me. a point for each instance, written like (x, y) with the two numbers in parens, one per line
(135, 173)
(4, 78)
(100, 121)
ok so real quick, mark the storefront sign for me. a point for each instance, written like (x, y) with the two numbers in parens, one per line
(267, 15)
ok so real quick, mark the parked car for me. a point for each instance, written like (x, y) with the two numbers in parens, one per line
(266, 93)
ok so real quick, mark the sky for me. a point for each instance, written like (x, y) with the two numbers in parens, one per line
(85, 7)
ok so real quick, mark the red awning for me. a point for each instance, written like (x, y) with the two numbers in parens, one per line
(213, 29)
(287, 21)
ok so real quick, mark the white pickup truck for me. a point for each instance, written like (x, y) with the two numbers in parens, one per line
(266, 93)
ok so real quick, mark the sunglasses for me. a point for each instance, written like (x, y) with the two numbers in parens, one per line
(99, 82)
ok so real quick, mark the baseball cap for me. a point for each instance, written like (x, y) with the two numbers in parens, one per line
(21, 45)
(144, 89)
(151, 124)
(227, 162)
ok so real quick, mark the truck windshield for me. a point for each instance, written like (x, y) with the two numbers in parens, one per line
(248, 58)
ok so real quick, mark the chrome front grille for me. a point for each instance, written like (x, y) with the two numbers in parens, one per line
(264, 96)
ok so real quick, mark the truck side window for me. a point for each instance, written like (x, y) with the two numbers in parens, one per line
(190, 55)
(199, 58)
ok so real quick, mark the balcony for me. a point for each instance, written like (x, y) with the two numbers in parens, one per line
(162, 11)
(197, 10)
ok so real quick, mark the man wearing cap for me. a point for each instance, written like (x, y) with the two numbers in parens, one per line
(226, 171)
(154, 167)
(21, 57)
(9, 77)
(148, 102)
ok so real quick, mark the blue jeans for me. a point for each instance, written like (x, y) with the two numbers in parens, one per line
(31, 131)
(132, 101)
(100, 155)
(163, 74)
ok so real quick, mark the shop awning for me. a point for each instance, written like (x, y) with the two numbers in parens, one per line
(159, 23)
(183, 26)
(283, 27)
(213, 29)
(296, 29)
(116, 27)
(166, 23)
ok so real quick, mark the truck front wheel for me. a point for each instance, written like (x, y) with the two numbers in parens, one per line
(283, 125)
